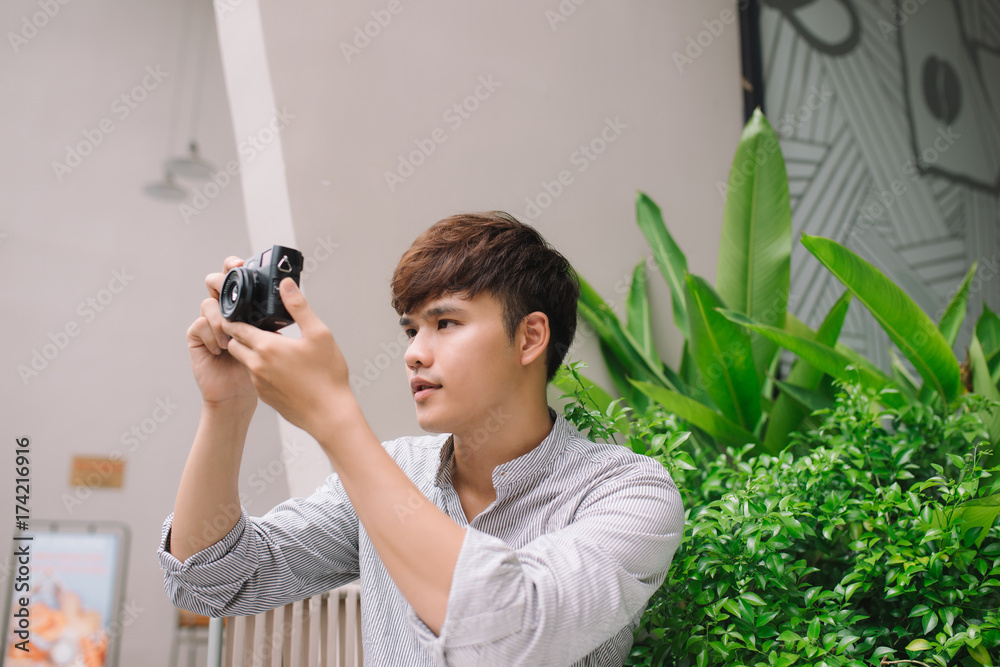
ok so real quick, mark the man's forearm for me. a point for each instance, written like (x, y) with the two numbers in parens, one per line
(416, 541)
(209, 486)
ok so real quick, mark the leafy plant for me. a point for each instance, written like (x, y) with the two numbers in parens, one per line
(845, 549)
(725, 387)
(871, 538)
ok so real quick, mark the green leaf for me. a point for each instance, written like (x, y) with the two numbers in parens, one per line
(981, 512)
(980, 655)
(787, 414)
(639, 322)
(599, 399)
(851, 590)
(619, 375)
(723, 353)
(930, 622)
(620, 342)
(951, 322)
(814, 629)
(688, 372)
(668, 255)
(717, 426)
(755, 250)
(824, 358)
(786, 660)
(810, 400)
(988, 333)
(954, 314)
(733, 608)
(983, 385)
(753, 599)
(908, 326)
(918, 645)
(901, 376)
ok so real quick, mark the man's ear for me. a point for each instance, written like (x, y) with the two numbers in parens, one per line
(534, 338)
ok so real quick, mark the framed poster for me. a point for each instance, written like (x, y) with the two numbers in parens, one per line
(64, 595)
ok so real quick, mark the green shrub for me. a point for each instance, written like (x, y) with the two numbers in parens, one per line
(847, 548)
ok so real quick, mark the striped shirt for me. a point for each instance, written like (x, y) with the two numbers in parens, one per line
(556, 571)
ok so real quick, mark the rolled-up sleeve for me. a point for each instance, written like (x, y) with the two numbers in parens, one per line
(565, 593)
(302, 547)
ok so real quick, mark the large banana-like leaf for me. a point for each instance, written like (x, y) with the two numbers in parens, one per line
(823, 357)
(981, 512)
(796, 327)
(988, 333)
(908, 326)
(620, 343)
(954, 314)
(719, 427)
(756, 246)
(810, 400)
(722, 352)
(688, 374)
(904, 380)
(951, 323)
(977, 512)
(983, 385)
(788, 413)
(666, 252)
(639, 321)
(619, 375)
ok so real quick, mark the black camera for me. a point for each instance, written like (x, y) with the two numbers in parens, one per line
(250, 292)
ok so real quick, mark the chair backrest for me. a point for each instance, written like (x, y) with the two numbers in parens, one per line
(321, 631)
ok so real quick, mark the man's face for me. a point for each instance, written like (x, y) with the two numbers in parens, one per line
(460, 362)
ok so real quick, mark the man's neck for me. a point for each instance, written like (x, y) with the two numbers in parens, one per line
(512, 433)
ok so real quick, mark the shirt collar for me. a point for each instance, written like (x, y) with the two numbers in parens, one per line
(525, 467)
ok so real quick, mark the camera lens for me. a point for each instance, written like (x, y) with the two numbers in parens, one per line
(236, 295)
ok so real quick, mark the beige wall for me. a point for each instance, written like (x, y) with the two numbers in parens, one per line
(61, 241)
(531, 92)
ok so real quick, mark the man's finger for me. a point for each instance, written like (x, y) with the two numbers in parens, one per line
(213, 282)
(211, 313)
(240, 352)
(231, 262)
(200, 334)
(247, 335)
(298, 307)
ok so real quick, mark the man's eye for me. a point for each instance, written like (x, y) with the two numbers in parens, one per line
(444, 323)
(410, 333)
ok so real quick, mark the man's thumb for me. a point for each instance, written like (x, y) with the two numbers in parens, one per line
(296, 303)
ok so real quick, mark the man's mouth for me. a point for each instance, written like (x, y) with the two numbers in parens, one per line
(422, 388)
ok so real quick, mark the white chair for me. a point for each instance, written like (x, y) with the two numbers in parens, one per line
(321, 631)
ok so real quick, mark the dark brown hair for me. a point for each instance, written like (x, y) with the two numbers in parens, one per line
(495, 254)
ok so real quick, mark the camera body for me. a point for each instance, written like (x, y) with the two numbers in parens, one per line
(250, 292)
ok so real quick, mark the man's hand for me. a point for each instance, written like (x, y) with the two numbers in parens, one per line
(304, 379)
(223, 380)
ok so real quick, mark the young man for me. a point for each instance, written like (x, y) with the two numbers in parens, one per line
(506, 540)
